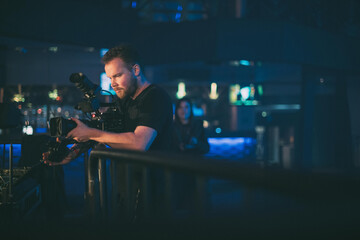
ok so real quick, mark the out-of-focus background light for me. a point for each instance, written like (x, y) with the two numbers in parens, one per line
(181, 92)
(213, 91)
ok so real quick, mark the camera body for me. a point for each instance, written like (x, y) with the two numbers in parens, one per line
(111, 121)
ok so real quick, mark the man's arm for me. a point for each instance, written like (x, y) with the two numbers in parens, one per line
(140, 139)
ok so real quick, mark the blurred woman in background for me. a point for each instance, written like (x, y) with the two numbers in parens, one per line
(189, 133)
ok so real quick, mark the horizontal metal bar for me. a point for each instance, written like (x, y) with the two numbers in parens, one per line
(298, 182)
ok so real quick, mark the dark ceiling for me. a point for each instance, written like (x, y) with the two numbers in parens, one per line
(102, 23)
(206, 30)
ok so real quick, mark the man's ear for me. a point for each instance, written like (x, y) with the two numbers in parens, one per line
(136, 69)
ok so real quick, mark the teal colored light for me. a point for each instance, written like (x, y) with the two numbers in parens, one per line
(198, 112)
(218, 130)
(245, 62)
(260, 90)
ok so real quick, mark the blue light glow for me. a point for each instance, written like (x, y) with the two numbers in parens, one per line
(218, 130)
(245, 62)
(103, 51)
(133, 4)
(177, 17)
(5, 152)
(40, 130)
(232, 148)
(198, 112)
(227, 141)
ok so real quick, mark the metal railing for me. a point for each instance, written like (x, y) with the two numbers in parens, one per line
(340, 187)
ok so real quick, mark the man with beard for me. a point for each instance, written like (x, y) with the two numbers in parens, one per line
(148, 118)
(148, 108)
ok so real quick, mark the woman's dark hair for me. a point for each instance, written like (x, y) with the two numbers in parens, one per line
(184, 99)
(125, 52)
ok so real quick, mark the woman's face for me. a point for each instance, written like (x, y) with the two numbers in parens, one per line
(184, 111)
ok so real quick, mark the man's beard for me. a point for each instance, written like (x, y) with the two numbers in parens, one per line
(131, 90)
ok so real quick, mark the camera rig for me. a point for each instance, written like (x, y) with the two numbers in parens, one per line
(111, 120)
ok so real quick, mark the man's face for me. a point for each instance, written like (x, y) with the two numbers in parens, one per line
(123, 80)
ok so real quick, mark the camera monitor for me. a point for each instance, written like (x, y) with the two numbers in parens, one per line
(105, 84)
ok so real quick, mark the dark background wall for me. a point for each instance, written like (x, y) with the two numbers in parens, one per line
(293, 45)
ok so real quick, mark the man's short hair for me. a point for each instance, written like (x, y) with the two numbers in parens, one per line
(125, 52)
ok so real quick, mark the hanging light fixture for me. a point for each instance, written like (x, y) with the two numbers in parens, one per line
(213, 92)
(181, 90)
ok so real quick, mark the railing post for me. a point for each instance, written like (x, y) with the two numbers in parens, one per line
(102, 188)
(86, 168)
(201, 201)
(168, 194)
(4, 155)
(146, 192)
(90, 195)
(128, 194)
(10, 171)
(115, 193)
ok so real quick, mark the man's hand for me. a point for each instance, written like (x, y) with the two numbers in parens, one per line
(56, 160)
(80, 133)
(45, 159)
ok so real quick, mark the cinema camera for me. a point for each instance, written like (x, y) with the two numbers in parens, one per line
(111, 120)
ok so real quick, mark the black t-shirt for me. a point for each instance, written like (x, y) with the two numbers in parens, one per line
(151, 108)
